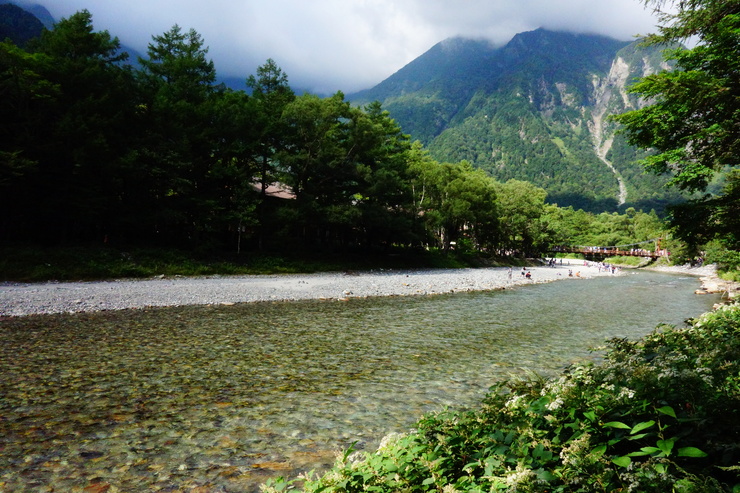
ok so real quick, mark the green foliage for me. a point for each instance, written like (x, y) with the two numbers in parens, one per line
(659, 414)
(692, 119)
(692, 122)
(728, 261)
(577, 227)
(23, 263)
(65, 105)
(98, 152)
(458, 204)
(522, 208)
(271, 93)
(629, 261)
(526, 111)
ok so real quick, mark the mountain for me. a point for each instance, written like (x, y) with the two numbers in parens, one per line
(18, 25)
(21, 20)
(535, 109)
(38, 11)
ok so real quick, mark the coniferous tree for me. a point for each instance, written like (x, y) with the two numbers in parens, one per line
(69, 100)
(179, 98)
(271, 93)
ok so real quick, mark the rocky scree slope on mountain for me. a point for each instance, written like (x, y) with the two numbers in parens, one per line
(535, 109)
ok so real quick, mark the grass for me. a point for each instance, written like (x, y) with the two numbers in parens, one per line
(34, 264)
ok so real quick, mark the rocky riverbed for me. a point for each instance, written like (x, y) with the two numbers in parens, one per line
(711, 283)
(221, 398)
(18, 299)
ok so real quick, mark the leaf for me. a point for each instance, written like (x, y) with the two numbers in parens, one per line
(637, 437)
(666, 446)
(622, 461)
(617, 424)
(667, 410)
(638, 454)
(691, 452)
(661, 468)
(350, 450)
(428, 481)
(642, 426)
(644, 451)
(545, 475)
(598, 451)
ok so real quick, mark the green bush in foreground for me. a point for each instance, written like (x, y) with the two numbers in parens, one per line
(658, 415)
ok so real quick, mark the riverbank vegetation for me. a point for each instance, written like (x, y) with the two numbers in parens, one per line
(99, 151)
(659, 414)
(35, 264)
(109, 156)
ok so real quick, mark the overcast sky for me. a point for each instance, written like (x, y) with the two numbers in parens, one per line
(347, 45)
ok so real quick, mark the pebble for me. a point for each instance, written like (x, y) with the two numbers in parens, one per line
(19, 299)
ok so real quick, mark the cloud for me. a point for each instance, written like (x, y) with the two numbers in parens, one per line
(329, 45)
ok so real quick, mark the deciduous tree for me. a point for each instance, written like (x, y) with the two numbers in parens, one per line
(693, 119)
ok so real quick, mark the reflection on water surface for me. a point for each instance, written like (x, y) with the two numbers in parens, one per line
(225, 397)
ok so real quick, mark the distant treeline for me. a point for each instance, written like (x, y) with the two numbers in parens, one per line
(96, 150)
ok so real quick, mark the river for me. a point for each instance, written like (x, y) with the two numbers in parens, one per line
(224, 397)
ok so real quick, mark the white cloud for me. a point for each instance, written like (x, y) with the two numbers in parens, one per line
(328, 45)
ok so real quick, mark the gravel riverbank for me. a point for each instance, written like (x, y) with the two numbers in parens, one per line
(18, 299)
(710, 280)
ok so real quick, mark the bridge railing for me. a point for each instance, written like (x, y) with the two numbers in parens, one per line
(610, 251)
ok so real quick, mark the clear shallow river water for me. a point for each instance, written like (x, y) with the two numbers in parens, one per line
(224, 397)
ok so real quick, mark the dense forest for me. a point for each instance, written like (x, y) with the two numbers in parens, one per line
(535, 109)
(99, 151)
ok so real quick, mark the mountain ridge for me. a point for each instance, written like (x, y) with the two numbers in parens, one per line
(534, 109)
(18, 25)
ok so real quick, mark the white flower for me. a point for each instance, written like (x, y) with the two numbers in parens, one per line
(626, 393)
(555, 404)
(390, 441)
(520, 475)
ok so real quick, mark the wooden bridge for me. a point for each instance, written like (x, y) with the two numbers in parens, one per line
(602, 252)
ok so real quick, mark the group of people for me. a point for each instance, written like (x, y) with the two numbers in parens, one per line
(525, 273)
(604, 267)
(552, 262)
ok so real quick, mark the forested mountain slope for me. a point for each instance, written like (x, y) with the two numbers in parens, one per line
(535, 109)
(17, 24)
